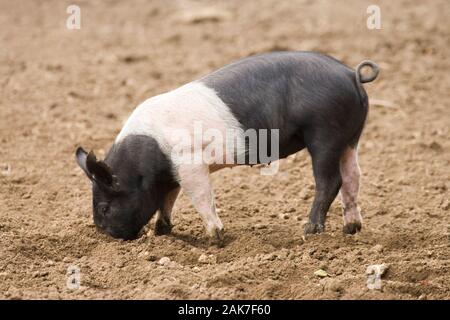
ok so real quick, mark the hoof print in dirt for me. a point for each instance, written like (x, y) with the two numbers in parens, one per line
(352, 228)
(162, 228)
(312, 228)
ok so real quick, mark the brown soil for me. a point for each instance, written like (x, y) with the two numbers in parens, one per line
(63, 88)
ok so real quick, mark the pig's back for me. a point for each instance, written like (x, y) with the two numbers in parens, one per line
(267, 90)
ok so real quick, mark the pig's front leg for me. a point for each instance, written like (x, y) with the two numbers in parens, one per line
(163, 223)
(194, 179)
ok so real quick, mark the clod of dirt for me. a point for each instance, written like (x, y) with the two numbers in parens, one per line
(377, 248)
(283, 216)
(334, 285)
(269, 257)
(207, 259)
(164, 261)
(305, 194)
(132, 58)
(445, 205)
(435, 146)
(321, 273)
(202, 15)
(260, 226)
(5, 169)
(382, 103)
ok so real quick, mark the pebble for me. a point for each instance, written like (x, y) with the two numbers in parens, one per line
(445, 205)
(283, 254)
(283, 216)
(207, 259)
(260, 226)
(164, 261)
(377, 248)
(207, 14)
(269, 256)
(144, 254)
(305, 194)
(321, 273)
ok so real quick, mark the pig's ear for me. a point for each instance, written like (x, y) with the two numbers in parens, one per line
(101, 173)
(97, 171)
(81, 157)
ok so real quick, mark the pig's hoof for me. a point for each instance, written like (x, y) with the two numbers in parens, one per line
(352, 227)
(162, 227)
(218, 238)
(313, 228)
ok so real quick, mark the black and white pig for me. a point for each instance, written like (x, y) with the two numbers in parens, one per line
(313, 101)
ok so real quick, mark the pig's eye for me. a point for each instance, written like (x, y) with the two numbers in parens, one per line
(103, 208)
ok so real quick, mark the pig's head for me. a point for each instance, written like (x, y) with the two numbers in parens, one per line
(128, 187)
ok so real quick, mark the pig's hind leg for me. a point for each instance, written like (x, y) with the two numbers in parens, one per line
(328, 182)
(163, 223)
(195, 182)
(350, 173)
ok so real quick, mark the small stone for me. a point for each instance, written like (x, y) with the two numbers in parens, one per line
(207, 259)
(283, 254)
(321, 273)
(445, 205)
(26, 196)
(144, 254)
(269, 257)
(5, 169)
(304, 194)
(202, 15)
(260, 226)
(164, 261)
(283, 216)
(377, 248)
(38, 274)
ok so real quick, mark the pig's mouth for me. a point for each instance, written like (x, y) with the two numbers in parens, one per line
(121, 233)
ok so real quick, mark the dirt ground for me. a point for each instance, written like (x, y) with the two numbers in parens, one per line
(63, 88)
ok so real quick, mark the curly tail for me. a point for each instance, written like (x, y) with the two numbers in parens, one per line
(360, 78)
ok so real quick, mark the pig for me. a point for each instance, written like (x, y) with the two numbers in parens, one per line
(311, 100)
